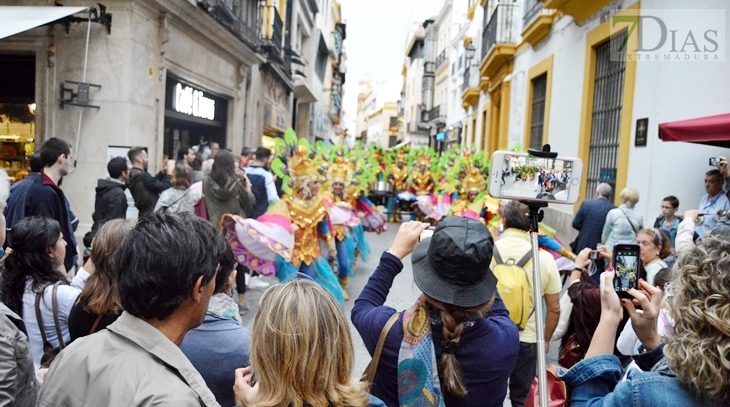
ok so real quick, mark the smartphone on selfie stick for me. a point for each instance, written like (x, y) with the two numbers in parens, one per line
(536, 179)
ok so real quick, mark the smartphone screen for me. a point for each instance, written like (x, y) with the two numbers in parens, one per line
(628, 268)
(525, 177)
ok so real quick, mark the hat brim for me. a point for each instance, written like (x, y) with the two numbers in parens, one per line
(443, 291)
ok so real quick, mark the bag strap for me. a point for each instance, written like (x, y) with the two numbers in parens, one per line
(497, 257)
(96, 324)
(525, 259)
(178, 199)
(636, 232)
(372, 368)
(38, 316)
(54, 306)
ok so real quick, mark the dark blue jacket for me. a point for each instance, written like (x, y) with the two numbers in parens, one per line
(589, 222)
(217, 348)
(36, 195)
(487, 350)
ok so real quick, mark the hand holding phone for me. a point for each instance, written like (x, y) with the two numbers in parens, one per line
(628, 267)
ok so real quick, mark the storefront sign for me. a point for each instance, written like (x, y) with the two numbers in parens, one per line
(193, 102)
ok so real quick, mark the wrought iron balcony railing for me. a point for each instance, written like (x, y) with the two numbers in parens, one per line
(500, 29)
(440, 59)
(240, 17)
(431, 115)
(272, 28)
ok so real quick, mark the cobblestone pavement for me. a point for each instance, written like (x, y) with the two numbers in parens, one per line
(402, 295)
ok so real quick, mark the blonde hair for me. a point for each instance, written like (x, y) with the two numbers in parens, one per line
(301, 349)
(629, 196)
(699, 351)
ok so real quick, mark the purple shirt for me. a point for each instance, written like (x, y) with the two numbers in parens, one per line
(487, 351)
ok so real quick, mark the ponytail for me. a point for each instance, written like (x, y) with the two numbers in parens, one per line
(453, 321)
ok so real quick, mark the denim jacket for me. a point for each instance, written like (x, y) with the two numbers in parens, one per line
(596, 382)
(622, 225)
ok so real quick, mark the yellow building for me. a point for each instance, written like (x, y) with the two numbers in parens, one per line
(383, 126)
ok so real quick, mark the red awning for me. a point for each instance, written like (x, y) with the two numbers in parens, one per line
(710, 130)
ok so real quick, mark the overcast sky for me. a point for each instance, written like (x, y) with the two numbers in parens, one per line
(376, 36)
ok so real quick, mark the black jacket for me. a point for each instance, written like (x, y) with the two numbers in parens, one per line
(38, 196)
(111, 203)
(146, 189)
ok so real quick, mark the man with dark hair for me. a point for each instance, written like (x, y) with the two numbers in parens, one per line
(262, 182)
(514, 244)
(41, 196)
(712, 202)
(166, 277)
(186, 155)
(111, 203)
(245, 156)
(144, 187)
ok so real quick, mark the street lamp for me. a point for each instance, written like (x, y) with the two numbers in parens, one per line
(470, 51)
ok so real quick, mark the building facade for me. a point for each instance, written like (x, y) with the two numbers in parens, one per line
(414, 131)
(551, 72)
(166, 74)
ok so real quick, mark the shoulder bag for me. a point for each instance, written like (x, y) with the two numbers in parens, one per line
(166, 207)
(369, 374)
(636, 232)
(49, 352)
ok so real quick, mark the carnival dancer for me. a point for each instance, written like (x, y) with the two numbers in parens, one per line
(343, 217)
(398, 176)
(423, 186)
(285, 240)
(474, 201)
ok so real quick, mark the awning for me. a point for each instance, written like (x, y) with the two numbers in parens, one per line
(710, 130)
(16, 19)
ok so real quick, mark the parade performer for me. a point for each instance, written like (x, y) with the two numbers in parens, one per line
(341, 207)
(423, 186)
(285, 240)
(397, 177)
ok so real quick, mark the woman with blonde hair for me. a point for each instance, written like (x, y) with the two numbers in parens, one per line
(301, 352)
(99, 306)
(623, 223)
(690, 368)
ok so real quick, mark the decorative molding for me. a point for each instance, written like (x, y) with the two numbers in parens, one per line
(580, 10)
(539, 28)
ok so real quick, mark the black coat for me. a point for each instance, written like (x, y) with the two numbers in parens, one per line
(36, 196)
(111, 203)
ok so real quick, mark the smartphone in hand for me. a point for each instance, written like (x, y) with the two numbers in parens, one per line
(629, 270)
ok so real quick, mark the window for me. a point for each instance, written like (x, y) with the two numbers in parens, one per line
(392, 140)
(453, 68)
(537, 120)
(606, 117)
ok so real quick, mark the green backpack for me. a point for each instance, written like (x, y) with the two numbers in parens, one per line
(514, 287)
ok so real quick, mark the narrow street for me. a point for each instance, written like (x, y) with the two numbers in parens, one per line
(403, 294)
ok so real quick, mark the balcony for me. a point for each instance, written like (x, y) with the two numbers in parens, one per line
(429, 67)
(272, 28)
(440, 60)
(537, 22)
(432, 116)
(580, 10)
(470, 87)
(240, 17)
(414, 127)
(499, 39)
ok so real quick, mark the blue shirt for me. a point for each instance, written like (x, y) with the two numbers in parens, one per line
(217, 348)
(711, 207)
(487, 351)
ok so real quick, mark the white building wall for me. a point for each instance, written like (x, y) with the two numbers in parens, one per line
(664, 92)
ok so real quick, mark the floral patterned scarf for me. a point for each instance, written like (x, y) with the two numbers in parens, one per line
(418, 378)
(222, 305)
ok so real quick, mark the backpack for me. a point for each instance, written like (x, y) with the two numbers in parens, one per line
(514, 287)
